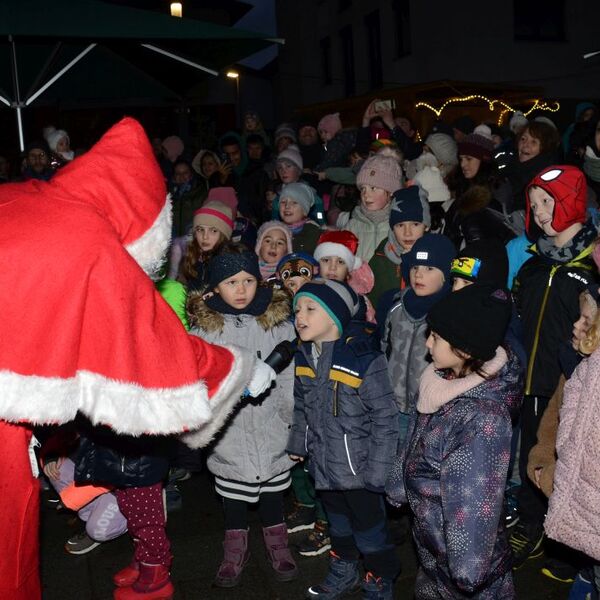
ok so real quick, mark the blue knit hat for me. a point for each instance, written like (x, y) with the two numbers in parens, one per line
(410, 204)
(227, 263)
(336, 298)
(431, 250)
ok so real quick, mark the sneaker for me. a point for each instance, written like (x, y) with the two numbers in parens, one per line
(172, 498)
(81, 543)
(316, 542)
(377, 588)
(524, 545)
(179, 474)
(302, 517)
(343, 578)
(559, 570)
(582, 588)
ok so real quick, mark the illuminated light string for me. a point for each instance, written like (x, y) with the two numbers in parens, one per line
(506, 108)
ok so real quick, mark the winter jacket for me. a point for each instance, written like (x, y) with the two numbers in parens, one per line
(369, 233)
(403, 343)
(387, 275)
(547, 297)
(251, 446)
(306, 239)
(453, 474)
(573, 518)
(185, 205)
(345, 417)
(338, 150)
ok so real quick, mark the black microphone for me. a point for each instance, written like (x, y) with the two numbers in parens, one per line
(282, 355)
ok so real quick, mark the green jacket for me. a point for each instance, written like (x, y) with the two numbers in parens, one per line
(175, 296)
(387, 275)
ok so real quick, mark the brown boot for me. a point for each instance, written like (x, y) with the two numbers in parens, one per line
(282, 561)
(235, 558)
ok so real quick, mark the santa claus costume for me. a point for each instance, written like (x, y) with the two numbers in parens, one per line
(84, 330)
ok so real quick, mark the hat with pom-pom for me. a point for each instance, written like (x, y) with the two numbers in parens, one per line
(478, 144)
(342, 244)
(382, 172)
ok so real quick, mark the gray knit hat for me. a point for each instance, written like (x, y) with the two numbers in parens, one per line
(443, 147)
(300, 192)
(381, 172)
(292, 155)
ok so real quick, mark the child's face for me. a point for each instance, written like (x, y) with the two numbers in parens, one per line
(294, 283)
(587, 314)
(238, 290)
(528, 146)
(333, 267)
(250, 123)
(208, 165)
(313, 323)
(442, 355)
(206, 237)
(426, 280)
(459, 283)
(469, 166)
(290, 211)
(374, 198)
(288, 172)
(63, 145)
(269, 197)
(324, 135)
(408, 232)
(273, 246)
(542, 207)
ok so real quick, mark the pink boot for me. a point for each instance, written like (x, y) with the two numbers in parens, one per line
(128, 575)
(235, 558)
(282, 561)
(154, 583)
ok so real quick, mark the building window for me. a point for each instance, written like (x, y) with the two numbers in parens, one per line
(348, 58)
(402, 25)
(539, 20)
(326, 60)
(374, 49)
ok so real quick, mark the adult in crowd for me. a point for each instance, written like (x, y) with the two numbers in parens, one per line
(37, 161)
(187, 193)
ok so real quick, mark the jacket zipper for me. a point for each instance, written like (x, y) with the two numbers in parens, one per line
(335, 398)
(306, 440)
(122, 464)
(348, 455)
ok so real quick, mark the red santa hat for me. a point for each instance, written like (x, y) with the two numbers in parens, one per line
(342, 244)
(83, 328)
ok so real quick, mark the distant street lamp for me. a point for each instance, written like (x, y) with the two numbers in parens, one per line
(176, 9)
(236, 77)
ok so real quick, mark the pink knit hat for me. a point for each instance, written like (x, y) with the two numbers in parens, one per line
(225, 195)
(330, 123)
(173, 147)
(381, 172)
(266, 227)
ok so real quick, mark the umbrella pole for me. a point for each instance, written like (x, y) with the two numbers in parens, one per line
(17, 103)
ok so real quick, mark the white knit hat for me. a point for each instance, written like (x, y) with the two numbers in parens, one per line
(292, 155)
(517, 121)
(431, 180)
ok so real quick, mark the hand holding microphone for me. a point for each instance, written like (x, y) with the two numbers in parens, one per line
(265, 371)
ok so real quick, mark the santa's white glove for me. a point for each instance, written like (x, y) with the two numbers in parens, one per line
(262, 377)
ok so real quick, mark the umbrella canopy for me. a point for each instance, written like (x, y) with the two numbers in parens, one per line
(90, 50)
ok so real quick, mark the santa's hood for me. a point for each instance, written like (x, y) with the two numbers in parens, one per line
(121, 179)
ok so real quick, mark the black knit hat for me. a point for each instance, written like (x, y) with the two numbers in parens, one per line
(473, 320)
(483, 261)
(227, 263)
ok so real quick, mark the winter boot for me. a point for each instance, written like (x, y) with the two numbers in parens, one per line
(128, 575)
(154, 583)
(377, 588)
(282, 561)
(235, 558)
(343, 578)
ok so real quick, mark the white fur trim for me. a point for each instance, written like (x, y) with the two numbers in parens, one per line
(150, 250)
(125, 407)
(326, 249)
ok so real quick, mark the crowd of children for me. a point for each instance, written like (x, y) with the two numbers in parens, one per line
(430, 361)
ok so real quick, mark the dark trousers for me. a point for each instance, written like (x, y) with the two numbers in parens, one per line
(357, 525)
(532, 503)
(270, 510)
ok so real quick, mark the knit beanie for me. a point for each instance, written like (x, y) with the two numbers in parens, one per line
(55, 136)
(443, 147)
(410, 204)
(478, 144)
(292, 154)
(217, 215)
(567, 185)
(285, 130)
(482, 262)
(173, 147)
(473, 319)
(297, 264)
(431, 180)
(542, 119)
(381, 172)
(517, 122)
(336, 298)
(330, 123)
(302, 193)
(226, 264)
(224, 195)
(465, 124)
(269, 226)
(341, 244)
(431, 250)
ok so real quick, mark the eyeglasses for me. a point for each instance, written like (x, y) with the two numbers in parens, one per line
(36, 155)
(465, 267)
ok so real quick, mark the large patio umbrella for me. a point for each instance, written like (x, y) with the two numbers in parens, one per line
(99, 50)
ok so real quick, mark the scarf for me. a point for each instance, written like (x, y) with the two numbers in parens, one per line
(376, 216)
(267, 270)
(257, 307)
(591, 164)
(393, 250)
(435, 391)
(418, 306)
(296, 228)
(580, 241)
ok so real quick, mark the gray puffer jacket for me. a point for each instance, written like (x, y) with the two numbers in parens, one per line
(403, 343)
(345, 417)
(251, 447)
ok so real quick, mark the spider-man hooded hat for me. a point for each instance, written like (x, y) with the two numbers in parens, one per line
(567, 185)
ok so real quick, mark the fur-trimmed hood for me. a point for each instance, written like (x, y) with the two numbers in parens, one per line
(476, 198)
(211, 321)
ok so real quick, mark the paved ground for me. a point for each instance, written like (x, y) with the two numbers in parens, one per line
(196, 534)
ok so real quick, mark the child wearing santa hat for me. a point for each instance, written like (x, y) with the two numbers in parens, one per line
(273, 242)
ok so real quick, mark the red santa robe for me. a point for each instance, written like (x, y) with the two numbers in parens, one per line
(82, 328)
